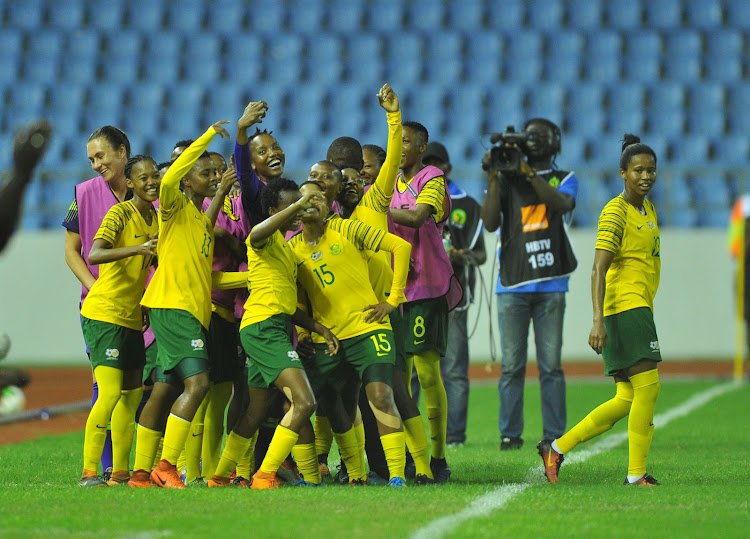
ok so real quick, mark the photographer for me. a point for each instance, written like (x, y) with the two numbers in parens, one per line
(532, 202)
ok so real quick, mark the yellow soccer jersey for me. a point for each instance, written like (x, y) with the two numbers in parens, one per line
(633, 277)
(334, 275)
(432, 194)
(186, 244)
(273, 280)
(116, 294)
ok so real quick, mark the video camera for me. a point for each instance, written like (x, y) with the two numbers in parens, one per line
(507, 155)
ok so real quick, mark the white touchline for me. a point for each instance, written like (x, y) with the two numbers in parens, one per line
(498, 498)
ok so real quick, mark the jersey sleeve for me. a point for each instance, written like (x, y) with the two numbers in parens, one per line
(71, 218)
(112, 224)
(365, 237)
(433, 194)
(611, 226)
(386, 179)
(375, 199)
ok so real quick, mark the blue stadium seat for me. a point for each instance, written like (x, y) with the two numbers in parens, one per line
(323, 58)
(484, 57)
(505, 107)
(363, 57)
(425, 15)
(12, 43)
(717, 218)
(226, 16)
(591, 198)
(68, 16)
(523, 59)
(45, 43)
(67, 96)
(306, 16)
(272, 93)
(739, 105)
(105, 105)
(465, 15)
(186, 15)
(345, 16)
(283, 61)
(732, 150)
(545, 14)
(27, 96)
(705, 14)
(442, 58)
(545, 101)
(138, 122)
(345, 116)
(146, 16)
(682, 43)
(737, 14)
(562, 61)
(109, 14)
(77, 70)
(28, 14)
(690, 150)
(425, 104)
(623, 15)
(267, 17)
(706, 109)
(711, 192)
(663, 14)
(643, 51)
(244, 54)
(573, 152)
(297, 150)
(65, 121)
(83, 45)
(147, 97)
(202, 57)
(585, 109)
(723, 59)
(584, 14)
(42, 70)
(626, 110)
(464, 110)
(9, 70)
(123, 70)
(507, 16)
(385, 16)
(603, 56)
(682, 60)
(305, 112)
(404, 69)
(225, 100)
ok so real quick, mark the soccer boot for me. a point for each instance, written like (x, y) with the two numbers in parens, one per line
(552, 460)
(165, 475)
(507, 443)
(264, 481)
(218, 481)
(303, 483)
(397, 482)
(422, 479)
(90, 479)
(240, 481)
(374, 479)
(358, 482)
(440, 470)
(645, 481)
(140, 479)
(120, 477)
(288, 471)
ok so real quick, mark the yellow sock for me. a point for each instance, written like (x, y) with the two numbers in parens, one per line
(213, 431)
(194, 445)
(146, 444)
(246, 465)
(235, 449)
(110, 384)
(646, 388)
(359, 431)
(395, 453)
(159, 449)
(416, 441)
(436, 401)
(174, 438)
(351, 454)
(600, 419)
(281, 445)
(307, 462)
(323, 435)
(123, 427)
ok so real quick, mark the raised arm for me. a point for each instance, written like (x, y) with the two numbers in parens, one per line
(262, 231)
(386, 179)
(249, 181)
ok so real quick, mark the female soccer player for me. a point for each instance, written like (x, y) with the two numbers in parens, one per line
(266, 336)
(333, 270)
(108, 150)
(624, 281)
(111, 318)
(179, 299)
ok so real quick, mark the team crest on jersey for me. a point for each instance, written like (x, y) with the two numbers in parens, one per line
(197, 344)
(458, 218)
(112, 353)
(336, 249)
(554, 181)
(654, 346)
(316, 255)
(651, 225)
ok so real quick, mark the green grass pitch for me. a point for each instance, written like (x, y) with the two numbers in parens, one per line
(701, 460)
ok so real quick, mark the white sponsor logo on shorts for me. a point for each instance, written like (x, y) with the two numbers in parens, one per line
(197, 344)
(112, 353)
(654, 346)
(293, 355)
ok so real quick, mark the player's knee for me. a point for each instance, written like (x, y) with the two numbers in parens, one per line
(304, 406)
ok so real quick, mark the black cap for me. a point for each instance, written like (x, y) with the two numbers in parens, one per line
(435, 149)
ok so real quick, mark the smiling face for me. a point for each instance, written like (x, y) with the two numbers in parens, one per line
(107, 161)
(268, 157)
(352, 188)
(640, 175)
(201, 179)
(413, 148)
(319, 208)
(371, 167)
(329, 177)
(144, 180)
